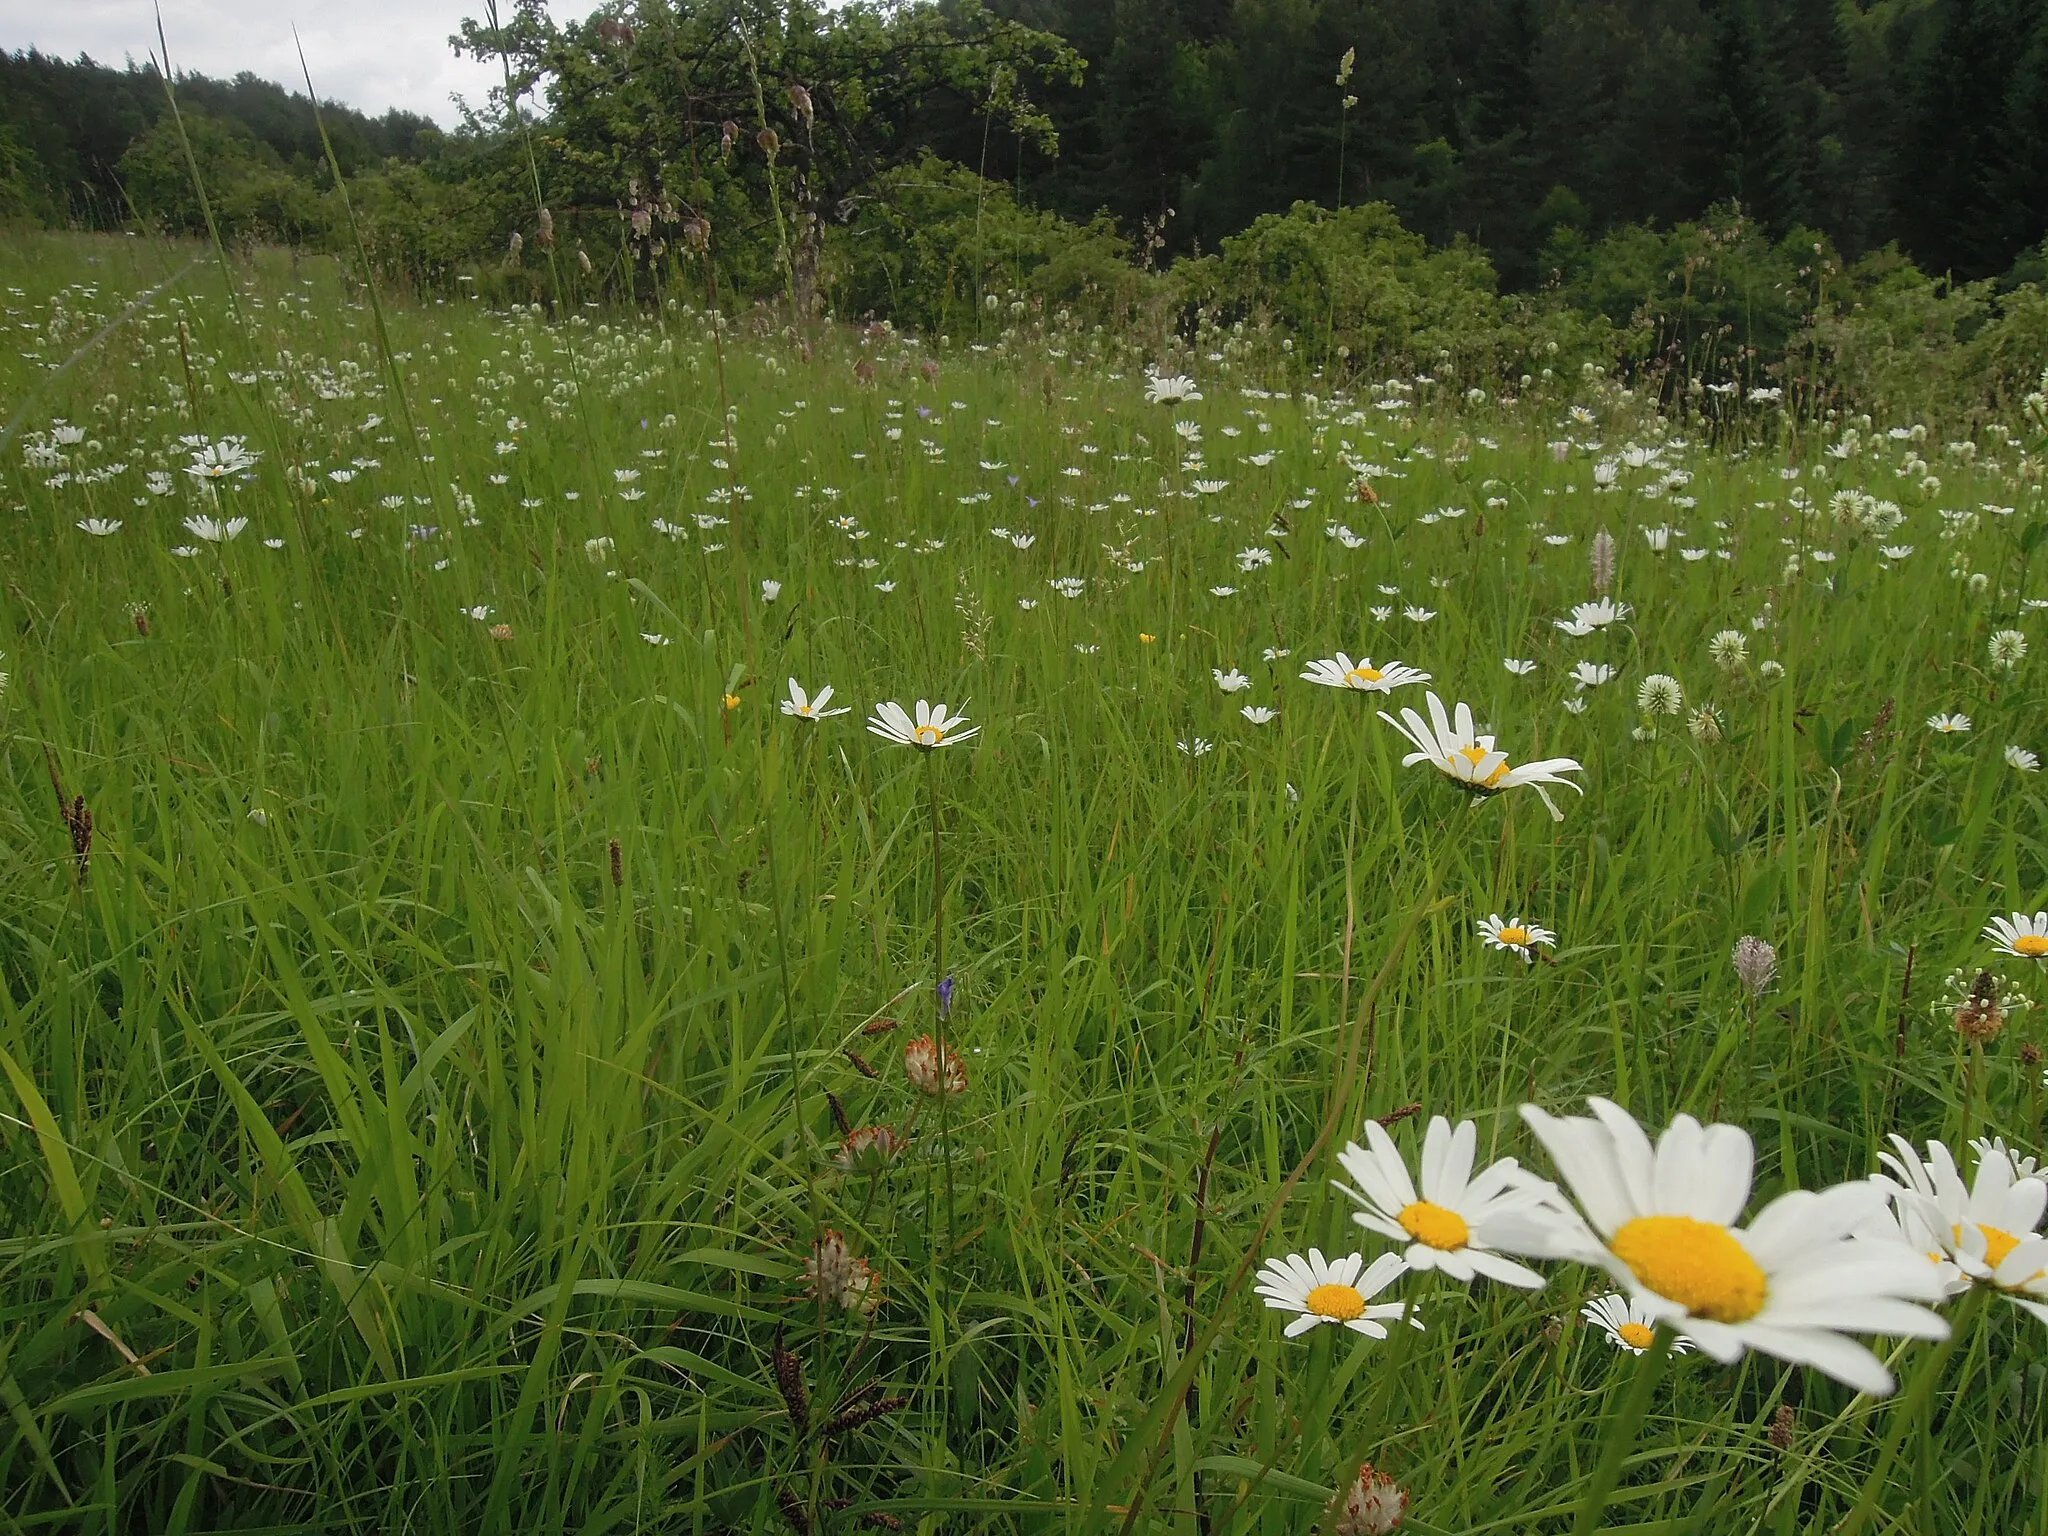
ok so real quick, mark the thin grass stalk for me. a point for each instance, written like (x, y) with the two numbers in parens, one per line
(1621, 1432)
(1907, 1413)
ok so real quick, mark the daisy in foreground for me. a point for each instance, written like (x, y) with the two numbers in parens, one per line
(1792, 1284)
(1333, 1291)
(1516, 937)
(2021, 936)
(804, 707)
(1340, 672)
(1628, 1324)
(1450, 746)
(1457, 1222)
(1986, 1232)
(933, 727)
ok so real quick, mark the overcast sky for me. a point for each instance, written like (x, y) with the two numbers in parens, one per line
(369, 54)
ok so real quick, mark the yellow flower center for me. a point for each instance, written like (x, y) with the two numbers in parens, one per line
(732, 701)
(1695, 1263)
(1513, 936)
(1363, 675)
(928, 735)
(1636, 1335)
(1475, 755)
(1998, 1243)
(2032, 945)
(1339, 1303)
(1434, 1226)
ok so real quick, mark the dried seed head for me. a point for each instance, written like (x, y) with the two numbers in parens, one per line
(793, 1511)
(863, 1413)
(2030, 1054)
(1980, 1016)
(1755, 964)
(1603, 562)
(1782, 1424)
(789, 1381)
(618, 863)
(1372, 1506)
(838, 1113)
(934, 1070)
(861, 1066)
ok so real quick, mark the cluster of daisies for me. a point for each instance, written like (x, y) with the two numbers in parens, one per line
(1448, 740)
(1665, 1220)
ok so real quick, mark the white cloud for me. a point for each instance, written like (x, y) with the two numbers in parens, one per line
(370, 54)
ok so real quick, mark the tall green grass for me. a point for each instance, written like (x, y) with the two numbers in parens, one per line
(378, 1161)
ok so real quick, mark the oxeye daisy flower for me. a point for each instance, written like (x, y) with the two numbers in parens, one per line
(1628, 1324)
(1792, 1284)
(805, 707)
(1455, 1223)
(931, 729)
(1341, 672)
(1449, 745)
(2017, 756)
(1516, 937)
(2021, 936)
(1988, 1231)
(1232, 681)
(216, 530)
(1338, 1291)
(1948, 725)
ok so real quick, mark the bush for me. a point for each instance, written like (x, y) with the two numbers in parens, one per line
(936, 238)
(1357, 291)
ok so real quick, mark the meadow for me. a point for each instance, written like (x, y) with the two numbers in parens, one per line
(484, 1052)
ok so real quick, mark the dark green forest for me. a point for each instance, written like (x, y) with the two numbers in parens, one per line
(1836, 198)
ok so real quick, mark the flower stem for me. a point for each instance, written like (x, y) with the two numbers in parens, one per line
(1907, 1414)
(1621, 1432)
(931, 770)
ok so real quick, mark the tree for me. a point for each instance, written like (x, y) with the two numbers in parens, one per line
(789, 112)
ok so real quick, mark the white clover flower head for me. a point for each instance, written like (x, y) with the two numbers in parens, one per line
(1729, 649)
(1659, 694)
(2008, 649)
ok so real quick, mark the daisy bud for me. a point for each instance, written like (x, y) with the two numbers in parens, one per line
(1755, 964)
(1372, 1506)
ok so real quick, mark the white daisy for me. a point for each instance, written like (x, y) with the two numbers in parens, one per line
(2017, 756)
(1791, 1284)
(1516, 937)
(1452, 748)
(1628, 1324)
(805, 707)
(1518, 666)
(1259, 714)
(1457, 1222)
(1341, 672)
(1948, 725)
(1232, 681)
(933, 727)
(1988, 1231)
(2021, 936)
(1332, 1291)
